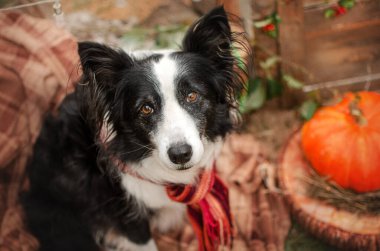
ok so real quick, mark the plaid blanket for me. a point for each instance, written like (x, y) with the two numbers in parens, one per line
(38, 66)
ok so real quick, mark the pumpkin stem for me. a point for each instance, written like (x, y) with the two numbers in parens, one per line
(356, 112)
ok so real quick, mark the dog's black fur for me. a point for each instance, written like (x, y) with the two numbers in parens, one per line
(75, 191)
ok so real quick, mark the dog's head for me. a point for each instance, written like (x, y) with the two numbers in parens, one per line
(165, 113)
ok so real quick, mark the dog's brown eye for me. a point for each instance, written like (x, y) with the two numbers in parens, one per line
(146, 110)
(192, 97)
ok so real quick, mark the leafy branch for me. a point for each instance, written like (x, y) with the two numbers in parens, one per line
(268, 86)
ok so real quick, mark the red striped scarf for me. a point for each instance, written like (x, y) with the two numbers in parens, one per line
(208, 210)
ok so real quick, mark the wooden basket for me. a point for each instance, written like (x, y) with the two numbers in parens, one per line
(338, 227)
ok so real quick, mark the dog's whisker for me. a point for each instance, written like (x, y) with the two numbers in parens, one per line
(132, 151)
(143, 146)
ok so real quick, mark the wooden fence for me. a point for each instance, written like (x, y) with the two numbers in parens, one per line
(341, 52)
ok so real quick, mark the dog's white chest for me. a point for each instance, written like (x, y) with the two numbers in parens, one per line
(151, 195)
(168, 214)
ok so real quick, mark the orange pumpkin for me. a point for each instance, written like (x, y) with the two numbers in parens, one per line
(343, 141)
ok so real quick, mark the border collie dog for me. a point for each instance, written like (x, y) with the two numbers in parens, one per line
(135, 121)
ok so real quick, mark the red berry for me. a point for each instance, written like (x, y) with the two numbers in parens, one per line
(269, 27)
(340, 10)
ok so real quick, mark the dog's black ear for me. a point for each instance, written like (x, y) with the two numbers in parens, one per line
(101, 63)
(211, 37)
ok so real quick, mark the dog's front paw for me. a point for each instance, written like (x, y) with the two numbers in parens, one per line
(113, 241)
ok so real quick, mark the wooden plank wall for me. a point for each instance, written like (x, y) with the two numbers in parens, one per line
(344, 49)
(293, 49)
(340, 53)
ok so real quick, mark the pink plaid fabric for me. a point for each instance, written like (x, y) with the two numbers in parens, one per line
(38, 67)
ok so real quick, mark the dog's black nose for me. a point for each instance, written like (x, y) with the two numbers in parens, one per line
(180, 153)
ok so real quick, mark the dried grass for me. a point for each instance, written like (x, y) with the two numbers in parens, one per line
(324, 189)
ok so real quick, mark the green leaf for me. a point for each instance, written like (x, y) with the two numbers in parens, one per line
(262, 23)
(253, 83)
(256, 97)
(329, 13)
(243, 103)
(348, 4)
(239, 59)
(276, 18)
(269, 62)
(272, 34)
(274, 88)
(291, 82)
(308, 108)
